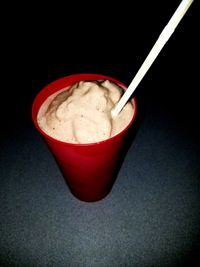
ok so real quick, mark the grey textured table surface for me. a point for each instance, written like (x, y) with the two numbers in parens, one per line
(150, 218)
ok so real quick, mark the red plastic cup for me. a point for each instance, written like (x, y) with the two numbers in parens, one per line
(89, 169)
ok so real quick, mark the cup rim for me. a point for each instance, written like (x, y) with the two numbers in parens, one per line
(65, 81)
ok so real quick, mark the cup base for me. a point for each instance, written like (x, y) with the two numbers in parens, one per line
(88, 195)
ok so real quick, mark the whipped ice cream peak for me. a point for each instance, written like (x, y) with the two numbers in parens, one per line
(82, 113)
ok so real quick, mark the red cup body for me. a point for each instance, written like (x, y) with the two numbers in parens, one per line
(89, 169)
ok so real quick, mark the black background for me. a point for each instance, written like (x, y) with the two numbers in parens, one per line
(41, 43)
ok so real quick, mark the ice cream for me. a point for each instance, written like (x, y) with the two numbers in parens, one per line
(82, 113)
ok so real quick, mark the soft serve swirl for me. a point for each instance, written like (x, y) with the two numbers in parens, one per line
(82, 113)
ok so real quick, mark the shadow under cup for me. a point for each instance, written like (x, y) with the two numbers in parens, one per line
(89, 169)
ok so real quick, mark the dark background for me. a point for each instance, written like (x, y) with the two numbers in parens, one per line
(43, 43)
